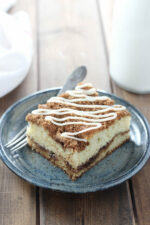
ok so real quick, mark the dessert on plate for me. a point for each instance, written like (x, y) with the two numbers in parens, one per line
(77, 129)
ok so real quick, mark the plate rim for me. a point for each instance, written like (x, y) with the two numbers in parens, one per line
(89, 188)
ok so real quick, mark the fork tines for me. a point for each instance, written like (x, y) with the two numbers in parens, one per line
(19, 141)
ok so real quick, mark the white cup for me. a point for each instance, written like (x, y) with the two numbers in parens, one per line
(130, 50)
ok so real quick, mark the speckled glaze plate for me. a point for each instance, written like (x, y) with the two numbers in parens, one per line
(113, 170)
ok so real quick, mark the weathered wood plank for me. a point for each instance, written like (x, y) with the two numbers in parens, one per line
(106, 11)
(70, 35)
(141, 182)
(60, 208)
(107, 207)
(98, 211)
(17, 197)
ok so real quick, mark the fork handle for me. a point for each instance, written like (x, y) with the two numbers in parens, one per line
(77, 76)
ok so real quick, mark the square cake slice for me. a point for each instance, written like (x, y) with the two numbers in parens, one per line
(77, 129)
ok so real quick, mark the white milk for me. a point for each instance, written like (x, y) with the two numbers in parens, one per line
(130, 52)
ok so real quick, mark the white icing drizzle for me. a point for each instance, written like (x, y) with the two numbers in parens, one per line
(95, 116)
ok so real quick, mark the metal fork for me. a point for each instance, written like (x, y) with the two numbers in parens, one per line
(20, 140)
(17, 142)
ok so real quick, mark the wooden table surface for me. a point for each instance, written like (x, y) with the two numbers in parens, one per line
(69, 33)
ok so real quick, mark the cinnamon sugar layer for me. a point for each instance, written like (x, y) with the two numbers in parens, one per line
(64, 165)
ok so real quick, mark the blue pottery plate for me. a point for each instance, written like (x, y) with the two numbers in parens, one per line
(113, 170)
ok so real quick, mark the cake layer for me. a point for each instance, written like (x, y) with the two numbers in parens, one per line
(41, 136)
(59, 161)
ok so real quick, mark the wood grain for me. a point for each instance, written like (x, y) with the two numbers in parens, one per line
(97, 210)
(106, 12)
(140, 184)
(107, 207)
(17, 197)
(70, 37)
(70, 34)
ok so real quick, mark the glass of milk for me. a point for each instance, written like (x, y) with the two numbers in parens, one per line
(130, 50)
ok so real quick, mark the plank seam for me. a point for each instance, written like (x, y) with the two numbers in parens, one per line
(104, 41)
(38, 87)
(132, 196)
(82, 218)
(37, 207)
(37, 45)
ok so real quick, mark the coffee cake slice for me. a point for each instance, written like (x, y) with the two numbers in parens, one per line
(78, 129)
